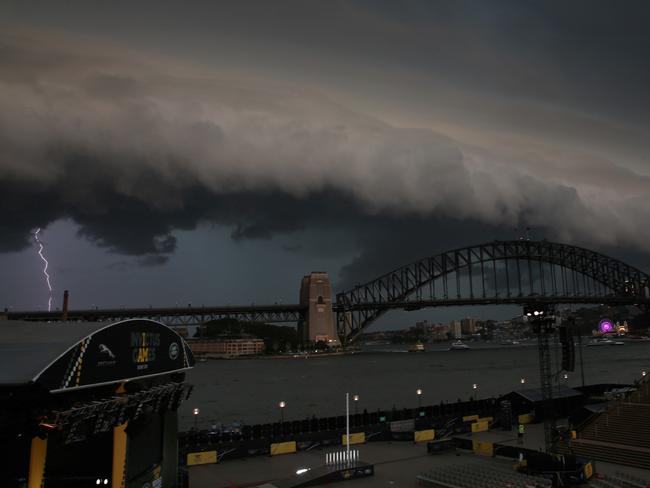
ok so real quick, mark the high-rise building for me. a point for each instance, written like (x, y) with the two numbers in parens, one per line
(468, 326)
(423, 327)
(455, 329)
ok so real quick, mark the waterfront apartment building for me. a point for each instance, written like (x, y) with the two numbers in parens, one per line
(227, 347)
(468, 326)
(440, 332)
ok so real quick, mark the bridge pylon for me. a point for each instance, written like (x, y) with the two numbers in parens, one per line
(316, 298)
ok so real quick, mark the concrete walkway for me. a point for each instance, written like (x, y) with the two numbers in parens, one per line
(396, 463)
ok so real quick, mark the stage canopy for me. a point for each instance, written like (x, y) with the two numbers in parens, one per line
(61, 356)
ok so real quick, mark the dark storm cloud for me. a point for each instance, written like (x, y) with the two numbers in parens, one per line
(133, 151)
(583, 54)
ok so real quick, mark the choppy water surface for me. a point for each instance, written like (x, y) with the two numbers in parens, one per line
(249, 390)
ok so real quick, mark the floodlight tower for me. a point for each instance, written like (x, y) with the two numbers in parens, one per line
(542, 319)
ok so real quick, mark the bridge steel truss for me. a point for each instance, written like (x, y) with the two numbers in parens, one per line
(175, 316)
(500, 272)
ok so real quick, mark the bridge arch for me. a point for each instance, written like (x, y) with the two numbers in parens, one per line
(500, 272)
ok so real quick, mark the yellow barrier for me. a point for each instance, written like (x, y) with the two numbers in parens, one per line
(526, 418)
(588, 470)
(470, 418)
(283, 448)
(205, 457)
(424, 435)
(355, 438)
(483, 448)
(37, 456)
(480, 426)
(120, 442)
(485, 419)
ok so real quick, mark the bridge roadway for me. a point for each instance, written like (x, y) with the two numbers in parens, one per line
(284, 313)
(173, 316)
(520, 272)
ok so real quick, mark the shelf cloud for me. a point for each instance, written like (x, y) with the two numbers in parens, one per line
(133, 149)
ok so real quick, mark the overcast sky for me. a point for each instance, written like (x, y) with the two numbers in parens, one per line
(213, 152)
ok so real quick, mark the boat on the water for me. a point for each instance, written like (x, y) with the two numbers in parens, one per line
(603, 341)
(419, 347)
(458, 346)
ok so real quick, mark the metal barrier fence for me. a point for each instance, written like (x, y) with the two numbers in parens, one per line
(315, 432)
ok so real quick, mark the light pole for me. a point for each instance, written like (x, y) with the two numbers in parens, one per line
(356, 401)
(418, 392)
(522, 381)
(474, 388)
(347, 427)
(196, 412)
(282, 404)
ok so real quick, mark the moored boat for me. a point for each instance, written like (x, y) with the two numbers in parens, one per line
(458, 346)
(419, 347)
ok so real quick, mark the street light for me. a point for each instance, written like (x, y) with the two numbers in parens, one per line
(196, 412)
(475, 387)
(522, 381)
(419, 394)
(643, 373)
(356, 400)
(282, 404)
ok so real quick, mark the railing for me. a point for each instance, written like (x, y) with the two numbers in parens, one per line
(375, 424)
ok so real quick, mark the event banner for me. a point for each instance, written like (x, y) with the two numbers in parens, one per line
(120, 351)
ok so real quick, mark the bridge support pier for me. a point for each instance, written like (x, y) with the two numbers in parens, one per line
(316, 298)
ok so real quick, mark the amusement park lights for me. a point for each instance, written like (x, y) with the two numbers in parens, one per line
(605, 326)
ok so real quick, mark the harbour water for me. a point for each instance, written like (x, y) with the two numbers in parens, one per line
(249, 390)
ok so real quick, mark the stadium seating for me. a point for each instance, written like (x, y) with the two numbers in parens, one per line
(470, 475)
(619, 435)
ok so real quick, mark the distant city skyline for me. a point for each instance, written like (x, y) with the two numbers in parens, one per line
(216, 152)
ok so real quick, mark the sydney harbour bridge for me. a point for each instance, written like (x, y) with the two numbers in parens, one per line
(519, 272)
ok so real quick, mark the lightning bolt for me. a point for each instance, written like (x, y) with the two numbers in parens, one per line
(47, 276)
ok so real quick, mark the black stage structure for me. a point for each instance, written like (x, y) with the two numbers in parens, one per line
(90, 404)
